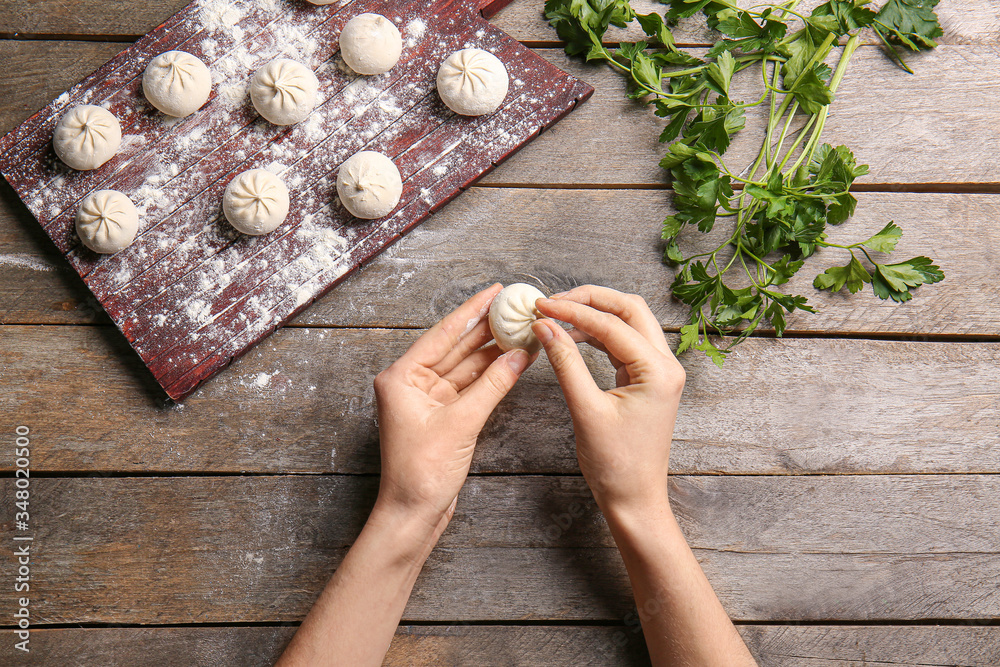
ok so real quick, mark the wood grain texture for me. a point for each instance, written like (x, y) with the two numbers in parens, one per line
(36, 72)
(969, 21)
(511, 646)
(830, 406)
(881, 112)
(834, 646)
(190, 294)
(562, 238)
(966, 22)
(258, 549)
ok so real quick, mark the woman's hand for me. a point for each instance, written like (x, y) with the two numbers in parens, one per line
(622, 435)
(432, 404)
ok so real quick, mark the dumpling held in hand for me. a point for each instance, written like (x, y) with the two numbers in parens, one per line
(511, 316)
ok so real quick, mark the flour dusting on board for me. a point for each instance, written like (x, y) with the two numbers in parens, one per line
(191, 293)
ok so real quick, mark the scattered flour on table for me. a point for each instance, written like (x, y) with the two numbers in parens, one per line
(26, 261)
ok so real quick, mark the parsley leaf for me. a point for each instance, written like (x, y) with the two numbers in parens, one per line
(850, 14)
(854, 275)
(886, 240)
(911, 23)
(895, 281)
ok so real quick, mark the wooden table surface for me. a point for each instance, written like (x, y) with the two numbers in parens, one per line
(840, 486)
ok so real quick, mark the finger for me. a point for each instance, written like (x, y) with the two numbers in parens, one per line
(472, 367)
(432, 347)
(478, 336)
(483, 395)
(581, 337)
(574, 377)
(620, 340)
(630, 308)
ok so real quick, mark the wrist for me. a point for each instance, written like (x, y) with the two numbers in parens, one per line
(411, 533)
(635, 518)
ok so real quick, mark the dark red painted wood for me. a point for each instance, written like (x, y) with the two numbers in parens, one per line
(191, 294)
(489, 8)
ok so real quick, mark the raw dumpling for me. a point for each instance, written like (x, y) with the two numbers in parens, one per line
(472, 82)
(86, 137)
(107, 221)
(177, 83)
(284, 91)
(370, 44)
(256, 202)
(511, 315)
(369, 185)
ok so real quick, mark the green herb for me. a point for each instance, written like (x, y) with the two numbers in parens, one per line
(777, 209)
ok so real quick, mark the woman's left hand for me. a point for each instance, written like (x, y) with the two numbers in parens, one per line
(433, 402)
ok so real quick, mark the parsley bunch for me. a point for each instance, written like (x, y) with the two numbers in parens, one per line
(780, 205)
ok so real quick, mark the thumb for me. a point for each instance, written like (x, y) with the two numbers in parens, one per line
(483, 395)
(571, 371)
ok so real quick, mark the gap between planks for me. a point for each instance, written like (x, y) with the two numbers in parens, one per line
(170, 474)
(902, 188)
(889, 336)
(526, 623)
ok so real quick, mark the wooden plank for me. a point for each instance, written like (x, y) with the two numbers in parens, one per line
(967, 22)
(612, 140)
(922, 407)
(548, 646)
(964, 22)
(258, 549)
(860, 646)
(540, 236)
(920, 138)
(562, 238)
(36, 72)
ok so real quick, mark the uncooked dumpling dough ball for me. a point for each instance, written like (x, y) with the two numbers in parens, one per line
(86, 137)
(256, 202)
(369, 185)
(472, 82)
(177, 83)
(511, 315)
(107, 221)
(284, 91)
(370, 44)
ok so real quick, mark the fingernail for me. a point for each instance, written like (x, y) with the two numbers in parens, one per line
(517, 360)
(542, 332)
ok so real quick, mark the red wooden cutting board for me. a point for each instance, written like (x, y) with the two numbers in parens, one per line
(191, 294)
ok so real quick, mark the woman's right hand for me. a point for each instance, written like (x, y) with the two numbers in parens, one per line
(622, 435)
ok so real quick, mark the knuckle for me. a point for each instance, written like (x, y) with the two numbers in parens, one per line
(674, 377)
(384, 380)
(637, 301)
(496, 383)
(562, 357)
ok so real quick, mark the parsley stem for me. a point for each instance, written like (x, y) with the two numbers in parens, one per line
(791, 151)
(784, 134)
(838, 76)
(822, 51)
